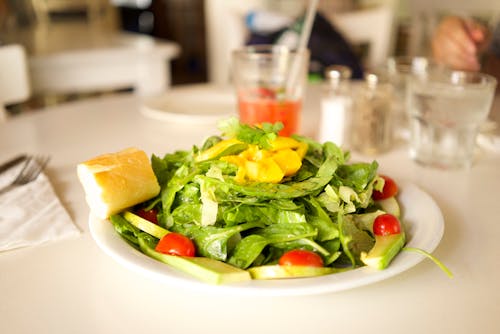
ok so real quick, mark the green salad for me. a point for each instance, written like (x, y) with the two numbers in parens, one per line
(215, 198)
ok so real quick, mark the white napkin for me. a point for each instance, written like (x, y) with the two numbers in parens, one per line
(31, 214)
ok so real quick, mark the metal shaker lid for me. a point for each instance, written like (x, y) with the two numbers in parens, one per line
(338, 72)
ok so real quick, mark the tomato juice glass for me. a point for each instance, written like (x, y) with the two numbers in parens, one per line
(270, 82)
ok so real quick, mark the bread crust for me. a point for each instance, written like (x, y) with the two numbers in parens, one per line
(115, 181)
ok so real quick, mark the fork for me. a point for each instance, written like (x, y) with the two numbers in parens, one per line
(33, 166)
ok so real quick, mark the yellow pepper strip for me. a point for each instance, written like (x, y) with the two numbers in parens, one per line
(288, 160)
(261, 165)
(239, 161)
(302, 150)
(281, 143)
(265, 170)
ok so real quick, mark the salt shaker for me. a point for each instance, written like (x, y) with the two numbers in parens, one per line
(335, 105)
(371, 130)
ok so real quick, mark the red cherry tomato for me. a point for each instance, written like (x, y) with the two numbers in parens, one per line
(176, 244)
(386, 224)
(300, 257)
(390, 189)
(151, 215)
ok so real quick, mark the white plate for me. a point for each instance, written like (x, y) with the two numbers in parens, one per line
(422, 219)
(198, 104)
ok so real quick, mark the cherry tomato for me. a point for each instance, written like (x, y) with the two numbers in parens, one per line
(386, 224)
(300, 257)
(176, 244)
(390, 189)
(151, 215)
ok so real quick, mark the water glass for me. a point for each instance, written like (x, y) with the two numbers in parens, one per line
(398, 70)
(270, 83)
(446, 109)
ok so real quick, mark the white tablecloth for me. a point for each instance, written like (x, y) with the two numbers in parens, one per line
(71, 286)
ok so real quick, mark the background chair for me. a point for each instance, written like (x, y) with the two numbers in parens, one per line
(113, 62)
(14, 78)
(76, 55)
(372, 27)
(94, 11)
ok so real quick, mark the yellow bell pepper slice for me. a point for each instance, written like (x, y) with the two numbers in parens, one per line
(284, 158)
(288, 160)
(281, 143)
(265, 170)
(240, 162)
(302, 150)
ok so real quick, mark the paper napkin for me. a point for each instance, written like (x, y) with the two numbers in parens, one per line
(31, 214)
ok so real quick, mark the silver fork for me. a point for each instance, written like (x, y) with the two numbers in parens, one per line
(33, 166)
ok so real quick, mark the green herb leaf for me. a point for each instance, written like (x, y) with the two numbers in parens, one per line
(261, 136)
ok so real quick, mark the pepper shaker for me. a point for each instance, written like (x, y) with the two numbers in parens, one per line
(372, 117)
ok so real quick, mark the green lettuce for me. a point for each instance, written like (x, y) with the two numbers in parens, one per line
(326, 206)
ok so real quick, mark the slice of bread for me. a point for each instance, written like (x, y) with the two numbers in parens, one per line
(115, 181)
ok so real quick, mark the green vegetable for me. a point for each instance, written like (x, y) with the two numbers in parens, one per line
(261, 136)
(126, 230)
(277, 271)
(385, 249)
(205, 269)
(326, 207)
(145, 225)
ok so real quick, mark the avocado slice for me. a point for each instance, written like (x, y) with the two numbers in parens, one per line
(390, 205)
(145, 225)
(203, 268)
(278, 271)
(226, 147)
(365, 221)
(388, 246)
(385, 249)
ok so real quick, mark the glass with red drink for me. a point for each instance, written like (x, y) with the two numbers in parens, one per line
(270, 82)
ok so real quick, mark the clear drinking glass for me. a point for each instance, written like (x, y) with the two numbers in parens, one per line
(446, 109)
(398, 70)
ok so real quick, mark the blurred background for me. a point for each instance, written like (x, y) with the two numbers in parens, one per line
(191, 32)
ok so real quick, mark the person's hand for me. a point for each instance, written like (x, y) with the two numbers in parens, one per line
(458, 42)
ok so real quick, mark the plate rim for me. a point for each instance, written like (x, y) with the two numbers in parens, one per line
(179, 95)
(426, 237)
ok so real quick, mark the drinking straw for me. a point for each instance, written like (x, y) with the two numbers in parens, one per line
(303, 40)
(308, 22)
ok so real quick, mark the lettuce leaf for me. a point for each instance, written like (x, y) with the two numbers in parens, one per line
(323, 207)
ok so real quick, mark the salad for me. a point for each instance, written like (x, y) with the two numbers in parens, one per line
(259, 203)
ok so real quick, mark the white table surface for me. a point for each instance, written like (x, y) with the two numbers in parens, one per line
(71, 286)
